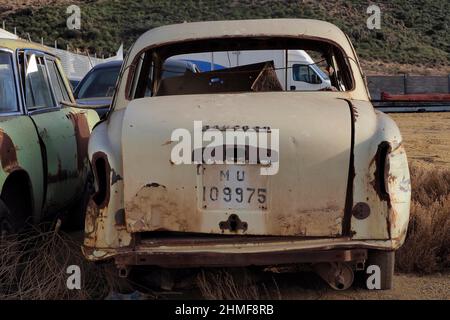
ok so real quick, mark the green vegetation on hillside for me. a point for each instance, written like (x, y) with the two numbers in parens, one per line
(412, 32)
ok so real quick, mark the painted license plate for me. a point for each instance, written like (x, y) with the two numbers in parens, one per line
(233, 187)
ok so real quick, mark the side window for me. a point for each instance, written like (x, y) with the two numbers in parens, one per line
(8, 91)
(38, 92)
(304, 73)
(57, 82)
(143, 77)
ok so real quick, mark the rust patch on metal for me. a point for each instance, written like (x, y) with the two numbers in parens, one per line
(151, 209)
(119, 217)
(346, 221)
(102, 171)
(8, 155)
(361, 210)
(213, 259)
(154, 185)
(405, 185)
(115, 177)
(61, 174)
(166, 143)
(310, 222)
(82, 134)
(90, 225)
(378, 182)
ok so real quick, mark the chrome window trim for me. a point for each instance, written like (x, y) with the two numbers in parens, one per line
(58, 75)
(43, 55)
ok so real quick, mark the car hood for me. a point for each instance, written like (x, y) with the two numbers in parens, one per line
(95, 101)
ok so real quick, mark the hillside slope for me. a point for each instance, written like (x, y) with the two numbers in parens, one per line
(414, 35)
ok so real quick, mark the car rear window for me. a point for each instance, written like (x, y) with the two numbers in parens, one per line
(244, 64)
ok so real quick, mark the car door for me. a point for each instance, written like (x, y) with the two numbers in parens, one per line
(20, 150)
(43, 92)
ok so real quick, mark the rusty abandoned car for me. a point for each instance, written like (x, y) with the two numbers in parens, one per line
(44, 164)
(340, 196)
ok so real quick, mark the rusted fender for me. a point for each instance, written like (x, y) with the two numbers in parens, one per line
(382, 191)
(20, 151)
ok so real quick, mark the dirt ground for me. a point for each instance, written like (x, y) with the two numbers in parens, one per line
(426, 137)
(406, 287)
(304, 285)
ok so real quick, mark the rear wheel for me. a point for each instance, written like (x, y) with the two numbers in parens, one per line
(385, 261)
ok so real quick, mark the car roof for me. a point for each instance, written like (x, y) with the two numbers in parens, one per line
(109, 64)
(14, 44)
(308, 28)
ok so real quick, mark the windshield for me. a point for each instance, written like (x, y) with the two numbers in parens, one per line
(317, 69)
(99, 83)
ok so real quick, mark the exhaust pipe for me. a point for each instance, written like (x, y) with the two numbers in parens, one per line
(124, 272)
(338, 275)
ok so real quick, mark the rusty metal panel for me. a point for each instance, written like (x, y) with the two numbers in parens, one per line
(212, 259)
(165, 196)
(398, 184)
(21, 151)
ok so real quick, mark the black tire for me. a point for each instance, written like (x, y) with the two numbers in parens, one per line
(386, 261)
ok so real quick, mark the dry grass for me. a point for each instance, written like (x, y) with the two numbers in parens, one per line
(33, 266)
(427, 245)
(222, 284)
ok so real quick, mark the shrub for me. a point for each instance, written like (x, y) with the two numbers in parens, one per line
(427, 245)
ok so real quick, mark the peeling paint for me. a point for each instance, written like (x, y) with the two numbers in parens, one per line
(115, 177)
(82, 134)
(8, 154)
(151, 209)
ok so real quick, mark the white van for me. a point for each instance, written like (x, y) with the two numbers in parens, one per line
(295, 69)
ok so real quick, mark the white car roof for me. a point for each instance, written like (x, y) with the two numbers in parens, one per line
(307, 28)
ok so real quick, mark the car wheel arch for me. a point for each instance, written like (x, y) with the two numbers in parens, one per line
(17, 194)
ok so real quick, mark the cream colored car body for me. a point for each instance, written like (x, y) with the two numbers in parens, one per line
(343, 180)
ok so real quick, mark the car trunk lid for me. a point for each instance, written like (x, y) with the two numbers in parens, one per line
(306, 197)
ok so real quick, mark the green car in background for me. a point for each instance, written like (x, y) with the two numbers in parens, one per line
(43, 139)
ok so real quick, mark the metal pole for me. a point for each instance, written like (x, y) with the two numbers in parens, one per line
(448, 82)
(4, 25)
(286, 59)
(405, 84)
